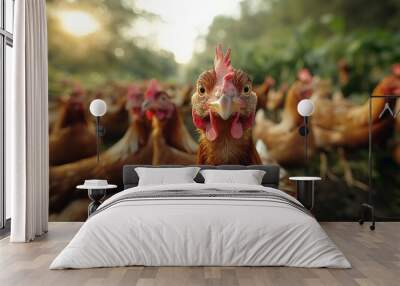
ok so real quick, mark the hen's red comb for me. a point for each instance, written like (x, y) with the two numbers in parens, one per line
(222, 63)
(152, 89)
(228, 80)
(304, 75)
(396, 69)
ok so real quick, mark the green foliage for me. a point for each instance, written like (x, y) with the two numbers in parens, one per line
(110, 53)
(278, 38)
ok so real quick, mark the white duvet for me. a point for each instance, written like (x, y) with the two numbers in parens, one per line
(200, 231)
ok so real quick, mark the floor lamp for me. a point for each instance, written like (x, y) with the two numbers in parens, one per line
(306, 184)
(97, 108)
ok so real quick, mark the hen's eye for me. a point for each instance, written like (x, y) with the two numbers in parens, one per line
(246, 89)
(202, 90)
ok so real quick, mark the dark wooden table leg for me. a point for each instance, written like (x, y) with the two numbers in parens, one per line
(305, 193)
(96, 195)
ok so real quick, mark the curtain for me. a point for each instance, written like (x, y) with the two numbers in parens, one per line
(27, 124)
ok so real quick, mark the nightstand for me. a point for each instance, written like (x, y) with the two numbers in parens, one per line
(306, 190)
(96, 194)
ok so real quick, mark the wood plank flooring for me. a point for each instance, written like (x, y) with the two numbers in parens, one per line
(375, 257)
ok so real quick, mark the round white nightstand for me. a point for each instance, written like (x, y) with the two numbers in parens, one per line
(96, 194)
(306, 190)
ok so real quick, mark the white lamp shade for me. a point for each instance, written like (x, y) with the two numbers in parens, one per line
(98, 107)
(305, 107)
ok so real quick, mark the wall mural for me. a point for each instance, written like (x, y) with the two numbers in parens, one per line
(218, 114)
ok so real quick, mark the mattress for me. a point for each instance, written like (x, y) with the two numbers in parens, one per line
(201, 225)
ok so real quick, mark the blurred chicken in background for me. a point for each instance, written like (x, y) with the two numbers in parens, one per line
(172, 143)
(276, 97)
(186, 94)
(344, 72)
(133, 148)
(73, 134)
(282, 140)
(262, 92)
(347, 125)
(116, 119)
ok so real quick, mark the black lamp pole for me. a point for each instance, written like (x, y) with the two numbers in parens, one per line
(306, 130)
(100, 131)
(98, 138)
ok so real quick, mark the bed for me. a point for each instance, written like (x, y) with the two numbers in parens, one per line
(198, 224)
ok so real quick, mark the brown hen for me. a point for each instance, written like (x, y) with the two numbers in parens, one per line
(172, 143)
(116, 120)
(262, 91)
(73, 134)
(282, 140)
(223, 110)
(133, 148)
(347, 125)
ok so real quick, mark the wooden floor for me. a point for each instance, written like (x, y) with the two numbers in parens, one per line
(375, 257)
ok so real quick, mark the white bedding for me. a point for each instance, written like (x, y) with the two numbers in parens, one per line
(200, 231)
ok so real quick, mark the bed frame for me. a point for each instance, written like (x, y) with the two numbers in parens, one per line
(271, 177)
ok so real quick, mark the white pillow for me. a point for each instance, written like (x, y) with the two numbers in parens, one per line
(248, 177)
(166, 176)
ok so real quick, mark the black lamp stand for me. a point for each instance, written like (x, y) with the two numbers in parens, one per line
(100, 131)
(369, 206)
(305, 189)
(304, 131)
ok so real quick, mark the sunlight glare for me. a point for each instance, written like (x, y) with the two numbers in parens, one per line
(181, 23)
(78, 23)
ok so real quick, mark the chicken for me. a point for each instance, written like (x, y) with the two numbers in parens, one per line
(73, 135)
(186, 94)
(325, 90)
(172, 143)
(116, 119)
(348, 125)
(275, 98)
(347, 81)
(64, 90)
(55, 105)
(282, 140)
(262, 92)
(223, 110)
(133, 148)
(344, 71)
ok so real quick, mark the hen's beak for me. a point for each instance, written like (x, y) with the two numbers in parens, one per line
(225, 106)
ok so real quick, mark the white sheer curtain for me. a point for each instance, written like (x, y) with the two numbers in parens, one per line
(27, 124)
